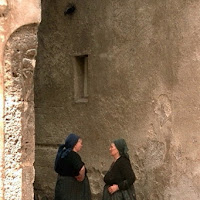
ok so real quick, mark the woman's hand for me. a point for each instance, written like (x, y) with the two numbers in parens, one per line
(81, 175)
(113, 189)
(79, 178)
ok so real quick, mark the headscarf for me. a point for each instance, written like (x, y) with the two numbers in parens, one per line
(64, 149)
(121, 147)
(70, 142)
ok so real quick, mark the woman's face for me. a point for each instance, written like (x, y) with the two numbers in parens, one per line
(113, 150)
(78, 145)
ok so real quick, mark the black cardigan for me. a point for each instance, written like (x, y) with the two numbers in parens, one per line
(70, 165)
(120, 173)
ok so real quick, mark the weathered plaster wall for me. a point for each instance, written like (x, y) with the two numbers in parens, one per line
(143, 85)
(18, 44)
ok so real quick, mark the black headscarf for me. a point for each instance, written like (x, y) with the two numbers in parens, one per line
(64, 149)
(121, 147)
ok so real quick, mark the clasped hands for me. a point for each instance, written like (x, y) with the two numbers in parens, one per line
(113, 188)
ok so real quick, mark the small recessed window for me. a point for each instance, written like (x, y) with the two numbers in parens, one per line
(81, 79)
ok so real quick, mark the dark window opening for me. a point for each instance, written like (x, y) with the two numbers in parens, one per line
(81, 79)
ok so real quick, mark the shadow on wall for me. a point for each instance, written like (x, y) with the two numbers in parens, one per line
(38, 197)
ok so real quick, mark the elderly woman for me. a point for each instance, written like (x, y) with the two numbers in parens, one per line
(72, 182)
(120, 177)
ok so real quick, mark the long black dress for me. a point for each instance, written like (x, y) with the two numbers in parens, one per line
(67, 187)
(120, 173)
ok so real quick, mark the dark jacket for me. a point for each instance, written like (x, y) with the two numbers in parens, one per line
(120, 173)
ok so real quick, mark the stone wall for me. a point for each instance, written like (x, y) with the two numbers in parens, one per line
(19, 123)
(121, 69)
(18, 44)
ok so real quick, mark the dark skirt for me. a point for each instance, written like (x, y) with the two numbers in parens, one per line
(68, 188)
(128, 194)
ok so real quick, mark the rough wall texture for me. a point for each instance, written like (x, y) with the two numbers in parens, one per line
(142, 81)
(18, 44)
(3, 14)
(19, 124)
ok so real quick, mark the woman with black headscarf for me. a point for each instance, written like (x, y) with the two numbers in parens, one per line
(72, 182)
(120, 177)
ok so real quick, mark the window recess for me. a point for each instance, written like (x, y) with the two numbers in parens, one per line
(81, 79)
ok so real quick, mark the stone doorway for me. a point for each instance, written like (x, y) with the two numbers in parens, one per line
(18, 43)
(125, 69)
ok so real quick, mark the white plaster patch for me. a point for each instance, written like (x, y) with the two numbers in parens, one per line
(3, 3)
(154, 155)
(163, 109)
(2, 38)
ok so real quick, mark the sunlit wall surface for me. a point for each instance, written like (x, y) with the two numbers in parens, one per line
(121, 68)
(18, 43)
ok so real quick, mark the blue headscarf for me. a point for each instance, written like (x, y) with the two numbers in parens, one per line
(121, 147)
(64, 149)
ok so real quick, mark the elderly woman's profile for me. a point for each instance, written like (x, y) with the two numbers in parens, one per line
(120, 177)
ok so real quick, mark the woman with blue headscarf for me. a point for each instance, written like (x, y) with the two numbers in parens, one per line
(120, 177)
(72, 182)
